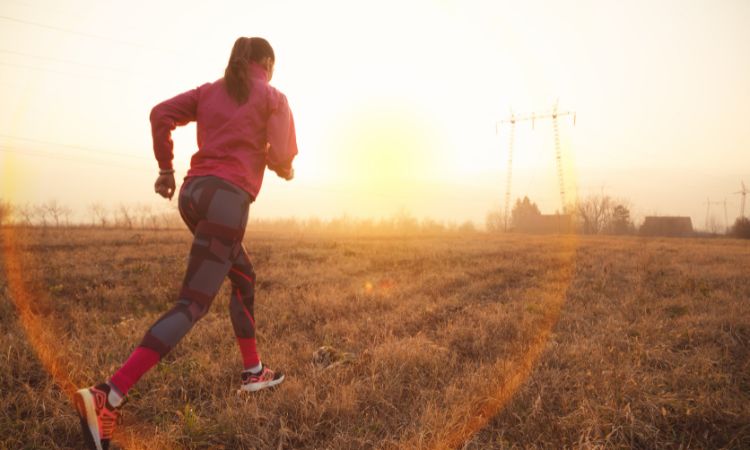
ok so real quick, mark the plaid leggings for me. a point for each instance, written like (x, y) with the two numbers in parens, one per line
(216, 212)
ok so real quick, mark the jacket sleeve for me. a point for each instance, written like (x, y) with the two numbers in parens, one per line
(282, 139)
(165, 117)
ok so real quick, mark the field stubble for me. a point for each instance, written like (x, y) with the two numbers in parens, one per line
(461, 340)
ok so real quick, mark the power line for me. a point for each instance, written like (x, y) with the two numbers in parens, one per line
(67, 11)
(58, 72)
(53, 156)
(142, 169)
(78, 75)
(76, 147)
(82, 33)
(66, 61)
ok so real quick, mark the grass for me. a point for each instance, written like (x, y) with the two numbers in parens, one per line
(460, 340)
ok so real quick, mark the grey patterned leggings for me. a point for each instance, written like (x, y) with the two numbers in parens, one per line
(216, 212)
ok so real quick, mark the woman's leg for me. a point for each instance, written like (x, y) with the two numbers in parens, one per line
(255, 375)
(221, 213)
(241, 309)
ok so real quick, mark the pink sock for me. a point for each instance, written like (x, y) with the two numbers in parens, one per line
(249, 352)
(140, 361)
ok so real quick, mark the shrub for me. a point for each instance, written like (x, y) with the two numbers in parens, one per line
(741, 228)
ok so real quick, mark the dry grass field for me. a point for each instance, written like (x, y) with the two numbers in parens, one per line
(461, 340)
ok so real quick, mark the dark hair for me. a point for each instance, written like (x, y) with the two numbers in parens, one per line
(245, 50)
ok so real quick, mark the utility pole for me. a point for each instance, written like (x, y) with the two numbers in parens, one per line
(708, 213)
(511, 120)
(743, 193)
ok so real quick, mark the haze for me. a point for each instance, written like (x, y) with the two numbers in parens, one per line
(395, 102)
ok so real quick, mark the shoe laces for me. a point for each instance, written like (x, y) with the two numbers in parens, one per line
(109, 419)
(108, 416)
(264, 375)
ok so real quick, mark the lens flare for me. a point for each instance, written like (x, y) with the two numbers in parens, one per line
(58, 359)
(54, 354)
(489, 406)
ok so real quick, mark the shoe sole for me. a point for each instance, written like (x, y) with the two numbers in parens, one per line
(255, 387)
(84, 404)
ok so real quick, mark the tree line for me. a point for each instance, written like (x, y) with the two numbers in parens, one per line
(598, 214)
(595, 214)
(143, 216)
(56, 214)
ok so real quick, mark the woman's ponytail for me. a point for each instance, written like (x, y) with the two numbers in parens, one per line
(244, 51)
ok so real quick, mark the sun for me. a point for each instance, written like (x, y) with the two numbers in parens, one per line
(384, 147)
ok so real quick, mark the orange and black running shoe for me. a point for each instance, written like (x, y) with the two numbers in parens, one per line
(98, 416)
(266, 378)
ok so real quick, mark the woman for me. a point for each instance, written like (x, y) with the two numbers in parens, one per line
(244, 125)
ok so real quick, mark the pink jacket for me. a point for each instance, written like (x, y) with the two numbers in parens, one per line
(235, 142)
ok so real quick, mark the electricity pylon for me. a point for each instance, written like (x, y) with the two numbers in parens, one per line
(743, 193)
(708, 213)
(554, 114)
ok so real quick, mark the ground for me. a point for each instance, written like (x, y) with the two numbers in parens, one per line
(460, 340)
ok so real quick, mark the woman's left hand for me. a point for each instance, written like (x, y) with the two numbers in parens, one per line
(165, 185)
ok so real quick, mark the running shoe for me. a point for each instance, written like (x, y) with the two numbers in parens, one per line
(266, 378)
(98, 417)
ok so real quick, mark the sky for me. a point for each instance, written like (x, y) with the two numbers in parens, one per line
(396, 103)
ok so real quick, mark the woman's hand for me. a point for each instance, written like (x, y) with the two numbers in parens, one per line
(165, 185)
(286, 174)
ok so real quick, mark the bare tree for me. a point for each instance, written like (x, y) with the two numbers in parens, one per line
(40, 215)
(26, 213)
(714, 225)
(125, 216)
(6, 211)
(55, 210)
(98, 214)
(139, 214)
(595, 213)
(145, 216)
(495, 221)
(153, 219)
(65, 213)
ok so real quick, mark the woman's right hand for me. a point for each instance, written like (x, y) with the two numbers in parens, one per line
(165, 185)
(287, 175)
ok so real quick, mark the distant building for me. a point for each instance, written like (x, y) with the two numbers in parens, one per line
(667, 226)
(545, 224)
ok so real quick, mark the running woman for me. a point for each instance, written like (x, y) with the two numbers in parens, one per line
(244, 125)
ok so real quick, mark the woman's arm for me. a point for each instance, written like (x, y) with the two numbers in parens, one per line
(282, 138)
(165, 117)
